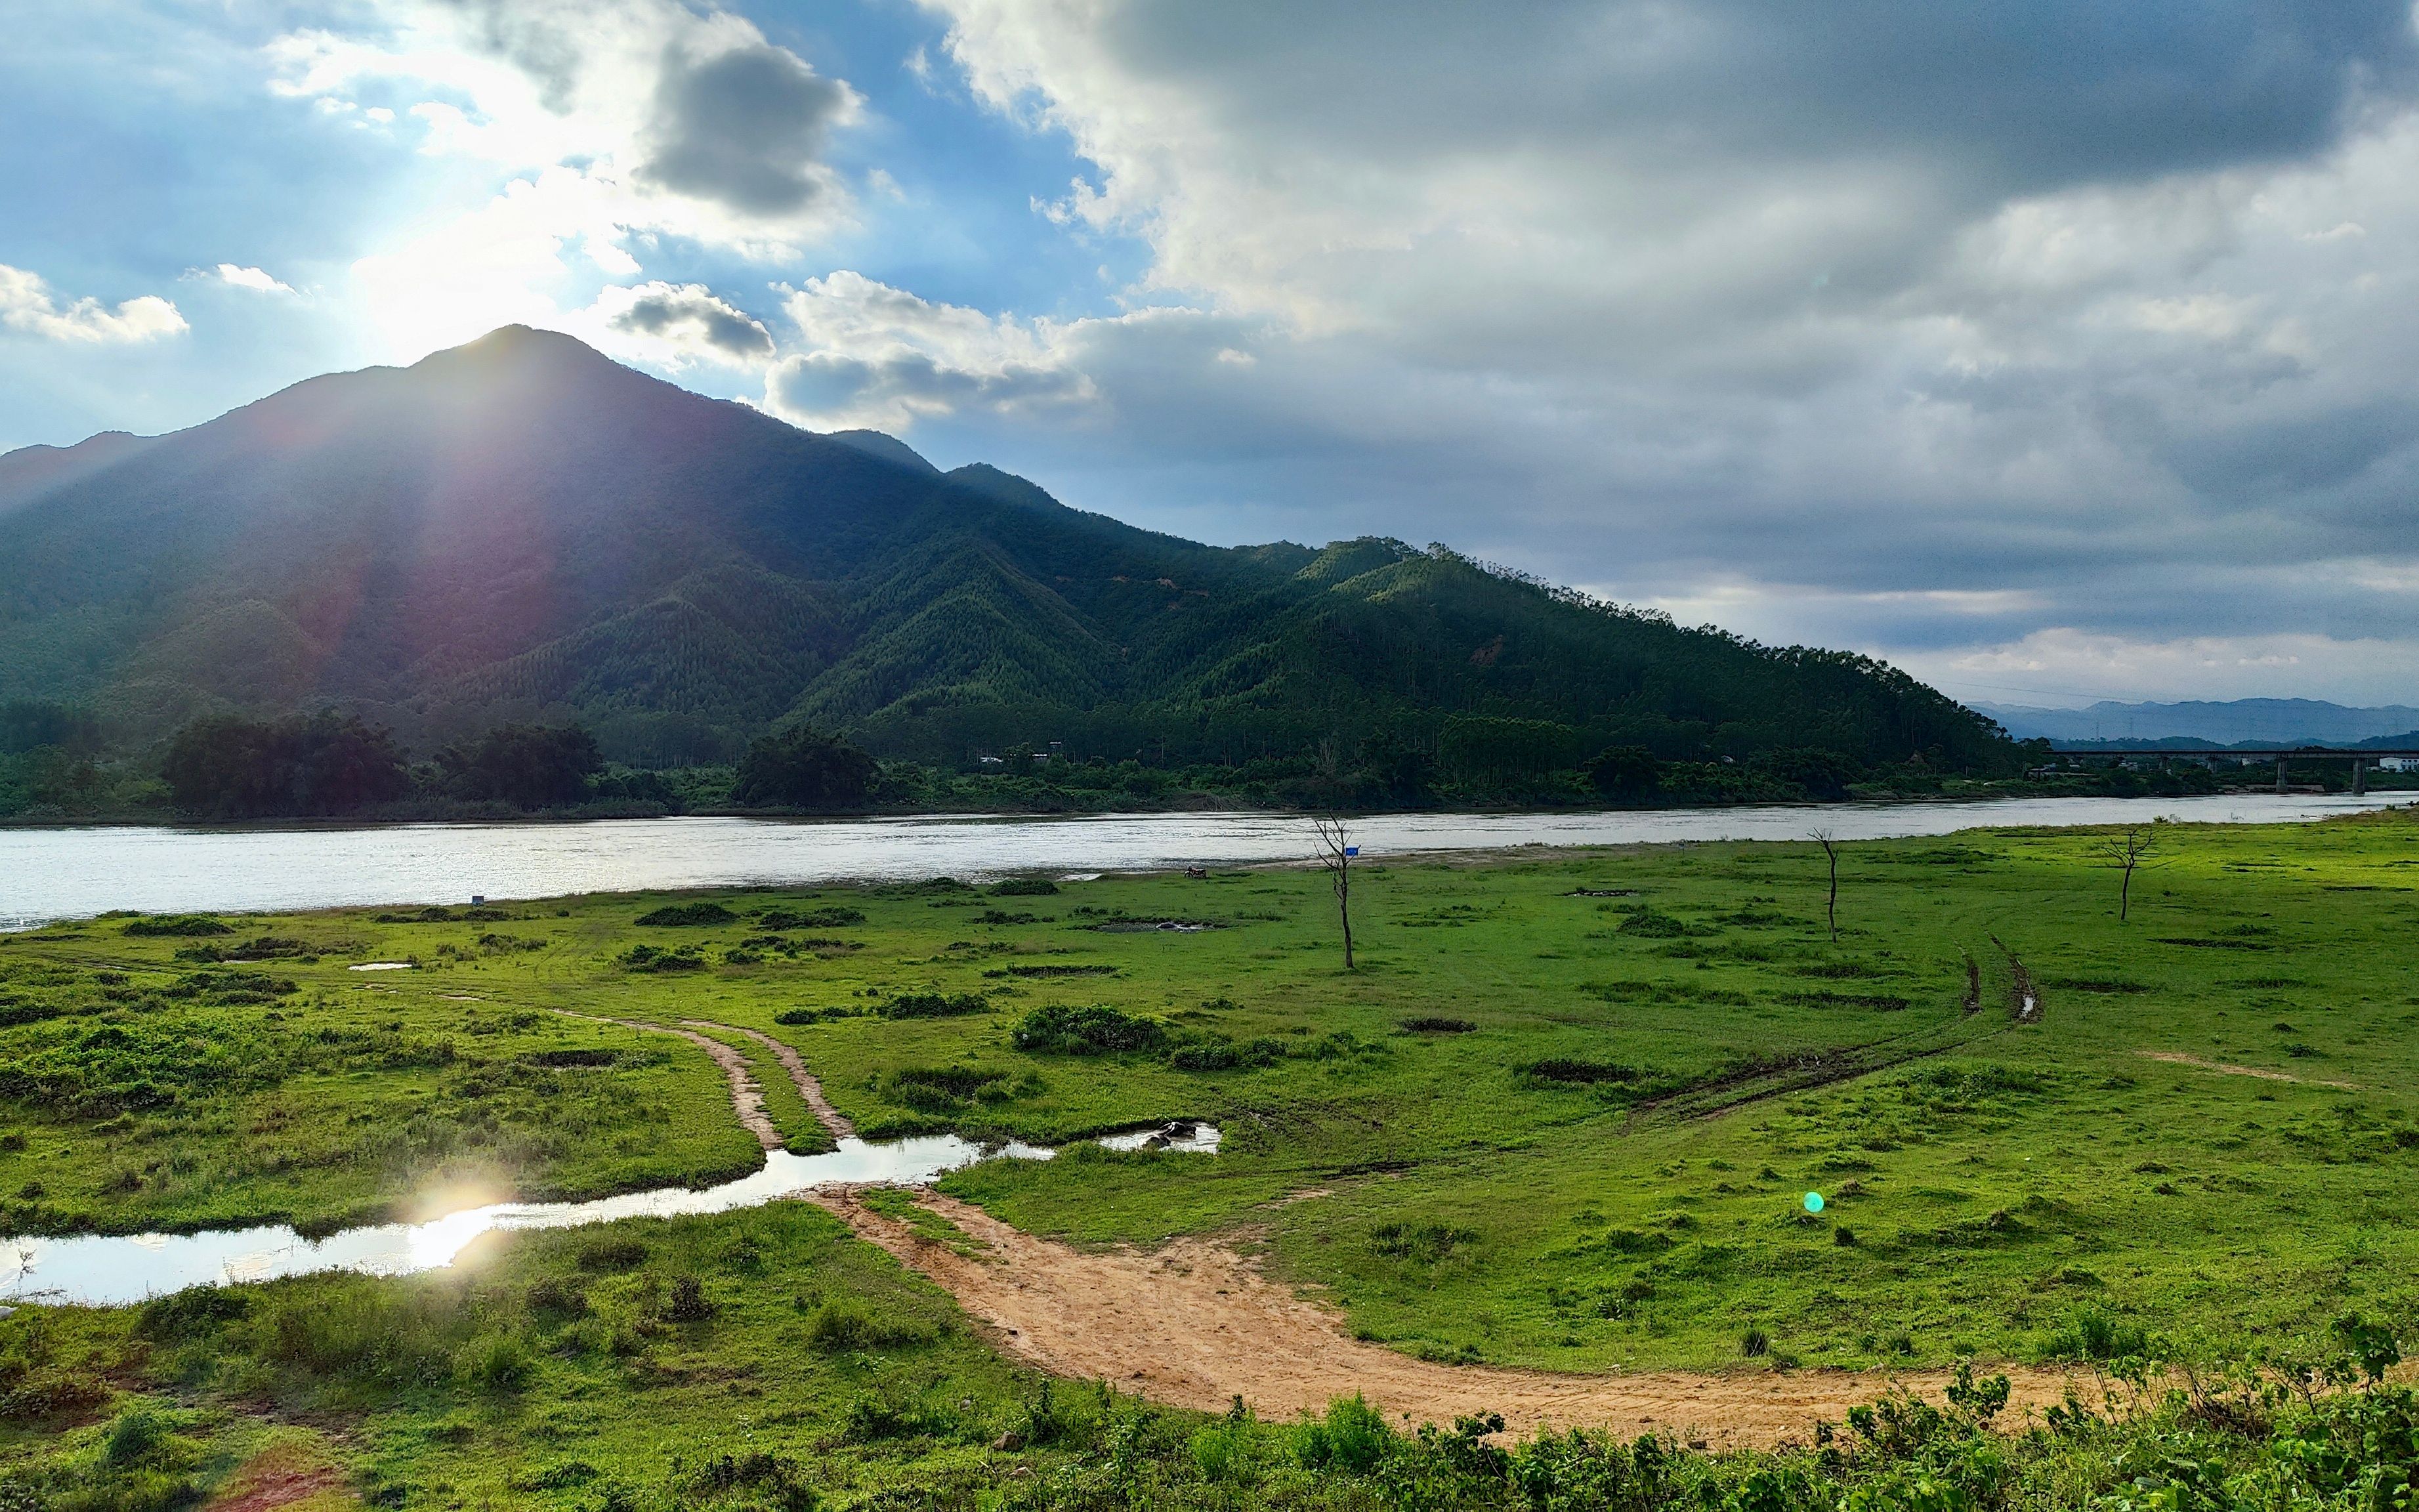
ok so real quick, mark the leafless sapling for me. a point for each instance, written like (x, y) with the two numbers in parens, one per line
(1336, 852)
(2128, 851)
(1830, 903)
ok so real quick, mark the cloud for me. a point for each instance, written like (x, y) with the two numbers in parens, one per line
(611, 125)
(744, 128)
(678, 324)
(882, 358)
(1816, 313)
(27, 305)
(252, 278)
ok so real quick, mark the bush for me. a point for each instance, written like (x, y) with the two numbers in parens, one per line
(687, 915)
(1438, 1025)
(182, 927)
(688, 1304)
(1095, 1030)
(811, 918)
(841, 1328)
(1025, 887)
(934, 1006)
(504, 1363)
(1352, 1438)
(647, 958)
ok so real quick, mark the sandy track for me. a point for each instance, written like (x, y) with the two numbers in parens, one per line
(834, 1122)
(2177, 1057)
(747, 1098)
(1195, 1324)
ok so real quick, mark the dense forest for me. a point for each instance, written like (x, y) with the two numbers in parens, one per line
(519, 533)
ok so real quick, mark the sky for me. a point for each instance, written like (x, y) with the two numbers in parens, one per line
(2053, 352)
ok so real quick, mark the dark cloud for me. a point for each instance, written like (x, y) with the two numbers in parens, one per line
(743, 129)
(692, 313)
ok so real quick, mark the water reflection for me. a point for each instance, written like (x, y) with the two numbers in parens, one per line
(117, 1270)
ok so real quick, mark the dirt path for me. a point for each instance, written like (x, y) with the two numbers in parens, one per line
(2177, 1057)
(1195, 1324)
(747, 1098)
(834, 1121)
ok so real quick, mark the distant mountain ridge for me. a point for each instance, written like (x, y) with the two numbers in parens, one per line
(2239, 721)
(522, 529)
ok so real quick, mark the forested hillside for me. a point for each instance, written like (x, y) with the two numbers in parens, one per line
(519, 530)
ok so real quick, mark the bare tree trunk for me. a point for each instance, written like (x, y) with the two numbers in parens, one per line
(1831, 904)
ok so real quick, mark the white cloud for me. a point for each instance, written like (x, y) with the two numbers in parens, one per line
(27, 305)
(882, 358)
(258, 282)
(611, 124)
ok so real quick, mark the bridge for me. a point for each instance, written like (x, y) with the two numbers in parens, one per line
(2359, 758)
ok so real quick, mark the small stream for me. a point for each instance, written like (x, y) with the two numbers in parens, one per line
(117, 1269)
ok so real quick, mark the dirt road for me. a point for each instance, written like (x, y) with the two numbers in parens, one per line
(1195, 1324)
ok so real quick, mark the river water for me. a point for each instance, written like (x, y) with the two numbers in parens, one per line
(115, 1269)
(49, 874)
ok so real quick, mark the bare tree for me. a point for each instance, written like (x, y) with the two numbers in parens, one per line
(1831, 905)
(1336, 852)
(2129, 852)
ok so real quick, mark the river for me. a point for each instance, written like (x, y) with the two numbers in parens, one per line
(48, 874)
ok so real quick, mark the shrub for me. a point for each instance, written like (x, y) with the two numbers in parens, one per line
(1438, 1025)
(688, 1304)
(191, 1313)
(839, 1328)
(1755, 1342)
(1094, 1030)
(184, 926)
(504, 1363)
(810, 918)
(687, 915)
(776, 1481)
(646, 958)
(1352, 1438)
(934, 1006)
(1025, 887)
(2093, 1334)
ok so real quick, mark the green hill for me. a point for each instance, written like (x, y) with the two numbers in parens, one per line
(519, 530)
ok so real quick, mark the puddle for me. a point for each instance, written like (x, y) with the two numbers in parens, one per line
(381, 966)
(1180, 1137)
(117, 1270)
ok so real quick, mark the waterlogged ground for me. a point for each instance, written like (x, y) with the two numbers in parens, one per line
(1562, 1115)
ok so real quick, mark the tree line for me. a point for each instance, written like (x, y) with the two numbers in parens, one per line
(330, 764)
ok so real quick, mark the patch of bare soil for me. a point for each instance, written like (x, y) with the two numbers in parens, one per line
(747, 1098)
(283, 1477)
(1196, 1324)
(834, 1121)
(2177, 1057)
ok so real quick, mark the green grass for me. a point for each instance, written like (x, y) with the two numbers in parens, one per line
(1615, 1129)
(1563, 1116)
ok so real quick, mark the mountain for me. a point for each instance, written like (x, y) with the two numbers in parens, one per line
(2241, 721)
(522, 529)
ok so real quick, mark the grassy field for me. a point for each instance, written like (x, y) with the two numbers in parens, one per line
(1562, 1115)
